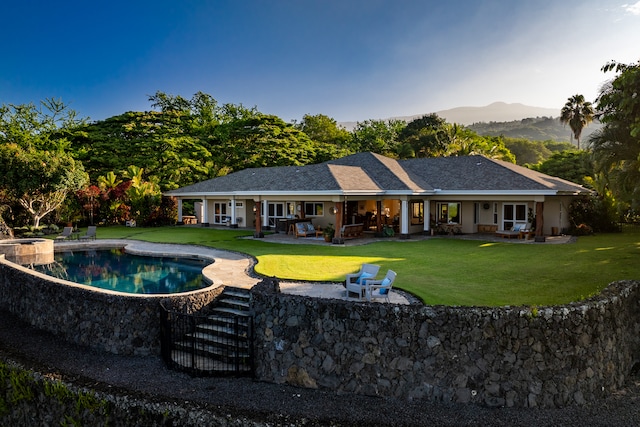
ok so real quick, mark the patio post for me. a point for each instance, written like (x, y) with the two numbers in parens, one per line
(205, 212)
(265, 216)
(404, 219)
(540, 222)
(180, 222)
(426, 218)
(258, 232)
(233, 223)
(337, 237)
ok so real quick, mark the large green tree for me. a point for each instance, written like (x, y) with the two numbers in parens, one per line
(162, 143)
(377, 136)
(578, 113)
(37, 170)
(616, 146)
(572, 165)
(331, 140)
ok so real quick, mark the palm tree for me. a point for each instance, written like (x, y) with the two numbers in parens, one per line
(578, 113)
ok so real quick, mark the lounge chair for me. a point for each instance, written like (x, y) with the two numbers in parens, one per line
(306, 229)
(91, 233)
(516, 231)
(354, 282)
(66, 234)
(383, 287)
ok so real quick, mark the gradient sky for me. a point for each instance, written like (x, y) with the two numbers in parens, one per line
(350, 60)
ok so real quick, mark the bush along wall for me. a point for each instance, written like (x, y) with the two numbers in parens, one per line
(30, 399)
(510, 356)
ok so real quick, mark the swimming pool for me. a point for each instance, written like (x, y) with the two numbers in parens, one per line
(116, 270)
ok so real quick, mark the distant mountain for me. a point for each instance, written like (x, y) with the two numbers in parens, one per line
(496, 112)
(509, 120)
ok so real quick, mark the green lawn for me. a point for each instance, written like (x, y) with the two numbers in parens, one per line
(439, 271)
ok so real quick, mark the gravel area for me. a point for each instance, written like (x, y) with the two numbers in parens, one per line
(147, 378)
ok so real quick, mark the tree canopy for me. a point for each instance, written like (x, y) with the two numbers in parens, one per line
(578, 113)
(36, 169)
(616, 147)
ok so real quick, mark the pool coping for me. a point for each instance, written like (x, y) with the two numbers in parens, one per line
(227, 268)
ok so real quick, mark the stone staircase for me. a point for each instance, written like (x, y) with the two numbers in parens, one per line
(218, 343)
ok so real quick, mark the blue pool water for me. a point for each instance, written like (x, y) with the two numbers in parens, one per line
(116, 270)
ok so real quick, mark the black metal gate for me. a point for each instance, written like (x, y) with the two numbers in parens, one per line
(214, 344)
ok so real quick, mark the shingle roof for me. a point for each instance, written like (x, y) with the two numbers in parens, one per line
(479, 173)
(369, 172)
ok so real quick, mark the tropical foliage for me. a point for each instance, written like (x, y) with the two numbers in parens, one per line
(616, 147)
(578, 113)
(36, 170)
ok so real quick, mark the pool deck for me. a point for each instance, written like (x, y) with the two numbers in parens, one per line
(228, 268)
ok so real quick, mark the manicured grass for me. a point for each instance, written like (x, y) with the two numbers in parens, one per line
(439, 271)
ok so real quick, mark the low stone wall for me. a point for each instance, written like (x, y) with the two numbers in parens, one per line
(116, 322)
(522, 357)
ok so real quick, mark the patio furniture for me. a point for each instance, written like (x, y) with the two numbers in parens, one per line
(91, 233)
(354, 281)
(306, 229)
(351, 231)
(66, 234)
(383, 287)
(515, 231)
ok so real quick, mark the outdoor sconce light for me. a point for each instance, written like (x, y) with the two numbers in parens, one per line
(255, 209)
(334, 210)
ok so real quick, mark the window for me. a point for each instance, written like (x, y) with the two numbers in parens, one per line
(314, 209)
(512, 214)
(448, 213)
(417, 213)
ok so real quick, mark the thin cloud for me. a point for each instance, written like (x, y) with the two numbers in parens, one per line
(633, 9)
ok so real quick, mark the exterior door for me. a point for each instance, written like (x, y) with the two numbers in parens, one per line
(276, 212)
(219, 212)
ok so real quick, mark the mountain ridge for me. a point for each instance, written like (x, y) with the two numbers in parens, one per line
(494, 112)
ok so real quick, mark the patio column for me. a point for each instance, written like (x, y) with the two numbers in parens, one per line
(379, 216)
(258, 221)
(426, 226)
(539, 222)
(337, 237)
(205, 212)
(404, 219)
(180, 222)
(265, 214)
(233, 224)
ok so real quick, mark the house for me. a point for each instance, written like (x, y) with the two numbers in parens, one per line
(469, 194)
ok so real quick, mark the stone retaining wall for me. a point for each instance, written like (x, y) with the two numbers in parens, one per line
(518, 356)
(116, 322)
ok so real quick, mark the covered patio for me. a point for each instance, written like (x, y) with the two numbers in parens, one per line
(384, 196)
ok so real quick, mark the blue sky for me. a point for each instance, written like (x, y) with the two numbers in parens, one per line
(351, 60)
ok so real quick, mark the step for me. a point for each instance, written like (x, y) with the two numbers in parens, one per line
(229, 331)
(237, 293)
(222, 321)
(205, 364)
(213, 348)
(228, 310)
(217, 339)
(234, 302)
